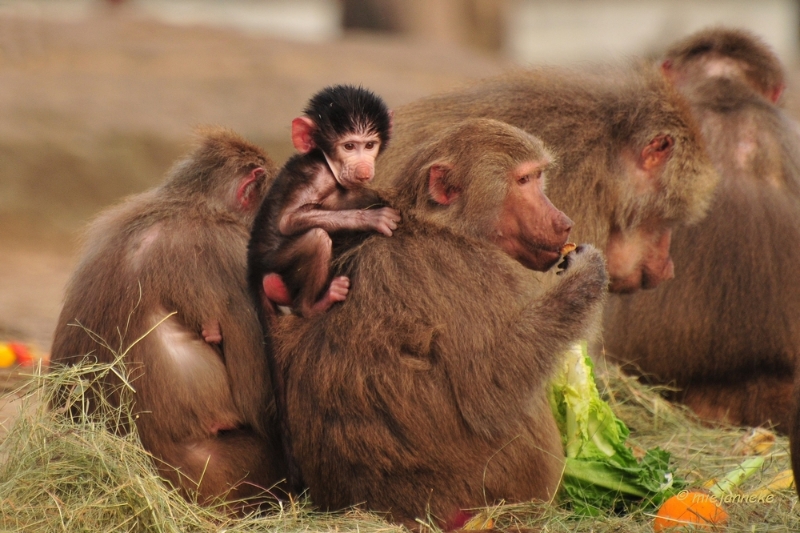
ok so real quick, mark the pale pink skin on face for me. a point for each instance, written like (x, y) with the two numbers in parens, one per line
(531, 229)
(353, 161)
(639, 259)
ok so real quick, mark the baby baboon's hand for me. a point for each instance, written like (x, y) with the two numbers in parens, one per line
(383, 220)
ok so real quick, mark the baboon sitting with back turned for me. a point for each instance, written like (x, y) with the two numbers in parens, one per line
(726, 331)
(173, 259)
(631, 165)
(425, 390)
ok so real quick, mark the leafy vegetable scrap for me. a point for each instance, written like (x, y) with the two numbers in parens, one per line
(601, 474)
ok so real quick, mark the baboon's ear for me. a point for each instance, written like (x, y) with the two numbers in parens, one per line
(302, 134)
(776, 92)
(442, 192)
(656, 153)
(247, 191)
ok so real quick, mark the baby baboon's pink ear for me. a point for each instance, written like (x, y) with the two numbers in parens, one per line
(302, 134)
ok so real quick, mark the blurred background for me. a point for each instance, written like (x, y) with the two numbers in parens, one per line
(99, 97)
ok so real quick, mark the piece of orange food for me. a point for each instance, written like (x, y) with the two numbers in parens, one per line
(690, 508)
(568, 247)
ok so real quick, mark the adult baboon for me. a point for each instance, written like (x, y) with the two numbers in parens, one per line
(425, 390)
(631, 166)
(174, 259)
(726, 331)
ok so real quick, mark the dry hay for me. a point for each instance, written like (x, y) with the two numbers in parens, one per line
(74, 475)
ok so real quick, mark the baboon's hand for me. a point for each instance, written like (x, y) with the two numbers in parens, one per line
(383, 220)
(569, 258)
(584, 255)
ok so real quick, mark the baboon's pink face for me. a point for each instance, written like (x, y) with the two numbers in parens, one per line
(355, 154)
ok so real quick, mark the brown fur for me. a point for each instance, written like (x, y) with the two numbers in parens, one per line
(597, 125)
(426, 388)
(203, 408)
(725, 330)
(725, 52)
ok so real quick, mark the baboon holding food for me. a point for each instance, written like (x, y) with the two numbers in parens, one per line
(726, 330)
(173, 259)
(425, 390)
(630, 163)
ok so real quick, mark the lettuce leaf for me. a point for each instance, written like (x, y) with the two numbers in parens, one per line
(601, 474)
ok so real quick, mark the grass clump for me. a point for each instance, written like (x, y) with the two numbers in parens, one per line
(72, 474)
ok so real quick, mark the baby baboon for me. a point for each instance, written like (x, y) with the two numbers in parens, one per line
(426, 388)
(203, 398)
(725, 330)
(317, 192)
(630, 168)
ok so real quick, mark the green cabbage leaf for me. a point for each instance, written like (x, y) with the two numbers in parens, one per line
(601, 474)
